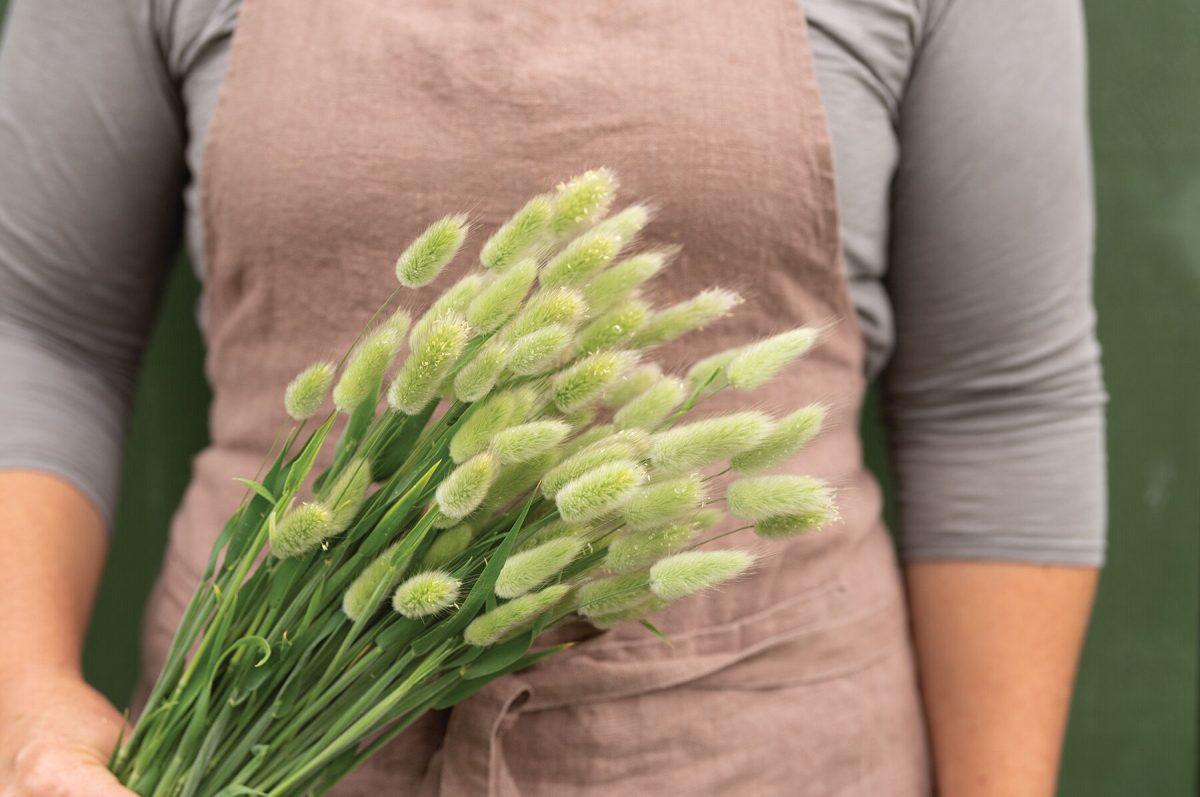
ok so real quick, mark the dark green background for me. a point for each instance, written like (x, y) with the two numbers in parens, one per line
(1134, 725)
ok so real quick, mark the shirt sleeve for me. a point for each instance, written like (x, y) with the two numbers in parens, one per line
(91, 173)
(994, 397)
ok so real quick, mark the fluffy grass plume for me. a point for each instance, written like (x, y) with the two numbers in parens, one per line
(366, 367)
(661, 502)
(540, 351)
(476, 432)
(307, 391)
(761, 361)
(372, 585)
(632, 384)
(465, 487)
(787, 436)
(302, 529)
(524, 442)
(518, 236)
(533, 567)
(425, 257)
(447, 546)
(582, 200)
(599, 491)
(622, 279)
(679, 319)
(650, 407)
(613, 328)
(602, 452)
(426, 594)
(612, 594)
(635, 550)
(760, 497)
(687, 573)
(500, 300)
(492, 627)
(580, 384)
(433, 354)
(695, 445)
(477, 377)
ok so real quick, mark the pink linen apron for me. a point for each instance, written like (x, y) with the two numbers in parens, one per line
(342, 130)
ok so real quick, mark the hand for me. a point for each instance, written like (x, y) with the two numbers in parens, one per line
(56, 736)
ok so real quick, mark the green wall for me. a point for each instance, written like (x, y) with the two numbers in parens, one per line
(1134, 725)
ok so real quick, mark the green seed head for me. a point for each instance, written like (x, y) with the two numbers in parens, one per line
(515, 481)
(508, 618)
(582, 201)
(433, 354)
(551, 531)
(652, 406)
(581, 259)
(481, 425)
(540, 351)
(613, 328)
(787, 436)
(583, 461)
(759, 362)
(632, 384)
(370, 588)
(599, 491)
(531, 568)
(425, 594)
(700, 443)
(635, 550)
(679, 319)
(465, 487)
(524, 442)
(477, 378)
(612, 594)
(690, 572)
(582, 383)
(660, 503)
(447, 546)
(499, 300)
(348, 492)
(710, 372)
(366, 366)
(637, 611)
(626, 224)
(302, 529)
(781, 526)
(761, 497)
(564, 306)
(518, 236)
(306, 393)
(425, 257)
(622, 279)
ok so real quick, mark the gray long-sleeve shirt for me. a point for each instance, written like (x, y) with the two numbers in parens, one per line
(964, 183)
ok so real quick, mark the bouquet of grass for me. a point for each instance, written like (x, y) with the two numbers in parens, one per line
(526, 465)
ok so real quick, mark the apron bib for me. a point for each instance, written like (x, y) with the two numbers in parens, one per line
(344, 128)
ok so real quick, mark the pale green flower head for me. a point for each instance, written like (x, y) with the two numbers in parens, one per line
(781, 526)
(307, 391)
(687, 573)
(365, 368)
(582, 201)
(635, 550)
(524, 442)
(612, 594)
(301, 530)
(613, 328)
(581, 259)
(707, 518)
(599, 491)
(476, 432)
(448, 546)
(564, 306)
(661, 502)
(651, 407)
(371, 586)
(497, 302)
(426, 594)
(761, 497)
(465, 487)
(346, 494)
(551, 531)
(425, 257)
(477, 377)
(540, 351)
(433, 354)
(454, 301)
(632, 384)
(582, 383)
(687, 316)
(518, 236)
(531, 568)
(609, 448)
(761, 361)
(586, 438)
(694, 445)
(507, 618)
(626, 224)
(789, 434)
(622, 279)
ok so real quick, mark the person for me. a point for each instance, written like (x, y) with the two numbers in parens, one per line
(963, 189)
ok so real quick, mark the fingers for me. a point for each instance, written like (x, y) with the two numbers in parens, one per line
(53, 771)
